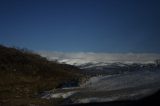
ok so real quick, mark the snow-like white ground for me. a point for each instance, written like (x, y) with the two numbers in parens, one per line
(58, 95)
(132, 85)
(120, 81)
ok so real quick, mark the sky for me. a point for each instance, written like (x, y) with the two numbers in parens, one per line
(114, 26)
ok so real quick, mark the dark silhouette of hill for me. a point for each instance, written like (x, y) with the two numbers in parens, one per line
(24, 74)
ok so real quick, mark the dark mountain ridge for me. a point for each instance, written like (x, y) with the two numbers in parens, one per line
(23, 74)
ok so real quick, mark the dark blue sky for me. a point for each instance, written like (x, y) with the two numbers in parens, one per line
(81, 25)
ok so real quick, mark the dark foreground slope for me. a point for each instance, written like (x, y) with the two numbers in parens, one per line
(24, 74)
(153, 100)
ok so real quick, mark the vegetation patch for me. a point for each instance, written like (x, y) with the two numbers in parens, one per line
(23, 74)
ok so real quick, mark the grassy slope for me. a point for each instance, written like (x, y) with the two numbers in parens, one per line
(24, 74)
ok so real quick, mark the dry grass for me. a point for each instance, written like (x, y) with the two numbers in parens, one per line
(24, 74)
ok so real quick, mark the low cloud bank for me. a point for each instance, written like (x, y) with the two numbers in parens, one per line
(89, 57)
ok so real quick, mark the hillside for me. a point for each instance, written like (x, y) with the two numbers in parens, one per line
(23, 75)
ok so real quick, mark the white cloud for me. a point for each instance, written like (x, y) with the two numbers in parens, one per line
(82, 57)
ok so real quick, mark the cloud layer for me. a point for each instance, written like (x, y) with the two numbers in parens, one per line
(89, 57)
